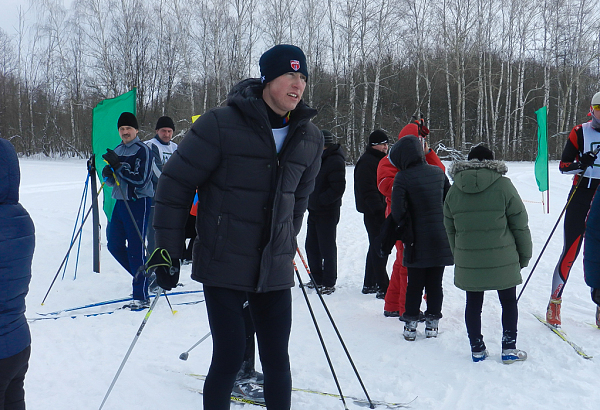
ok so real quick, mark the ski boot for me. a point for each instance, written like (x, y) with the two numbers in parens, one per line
(136, 305)
(431, 327)
(513, 355)
(248, 390)
(553, 312)
(478, 350)
(410, 330)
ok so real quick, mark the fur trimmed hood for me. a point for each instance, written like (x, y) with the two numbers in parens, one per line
(475, 176)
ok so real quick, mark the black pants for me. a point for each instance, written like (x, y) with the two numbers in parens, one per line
(375, 269)
(429, 279)
(12, 376)
(272, 317)
(321, 248)
(510, 316)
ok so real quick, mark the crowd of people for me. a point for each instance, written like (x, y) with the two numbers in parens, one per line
(247, 172)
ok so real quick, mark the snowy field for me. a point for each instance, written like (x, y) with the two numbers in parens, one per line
(74, 359)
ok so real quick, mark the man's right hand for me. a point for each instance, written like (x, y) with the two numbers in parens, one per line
(587, 159)
(166, 270)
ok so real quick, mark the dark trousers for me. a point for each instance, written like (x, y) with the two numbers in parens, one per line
(429, 279)
(12, 377)
(271, 314)
(510, 315)
(375, 269)
(321, 248)
(125, 244)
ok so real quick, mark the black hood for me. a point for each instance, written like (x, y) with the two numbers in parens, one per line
(407, 152)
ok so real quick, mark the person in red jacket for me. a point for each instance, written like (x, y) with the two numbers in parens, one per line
(396, 293)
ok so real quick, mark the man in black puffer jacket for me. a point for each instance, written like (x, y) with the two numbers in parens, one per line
(254, 163)
(324, 214)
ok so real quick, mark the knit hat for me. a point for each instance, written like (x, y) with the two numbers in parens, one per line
(165, 122)
(127, 119)
(596, 99)
(281, 59)
(481, 153)
(378, 137)
(327, 137)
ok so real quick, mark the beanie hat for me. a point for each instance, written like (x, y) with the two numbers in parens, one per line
(127, 119)
(281, 59)
(378, 137)
(327, 137)
(481, 153)
(165, 122)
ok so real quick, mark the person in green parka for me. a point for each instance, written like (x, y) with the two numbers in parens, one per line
(488, 231)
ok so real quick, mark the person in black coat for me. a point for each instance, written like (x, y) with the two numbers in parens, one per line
(254, 163)
(371, 203)
(417, 205)
(17, 242)
(324, 214)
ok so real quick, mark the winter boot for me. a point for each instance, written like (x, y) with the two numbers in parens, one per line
(366, 290)
(478, 350)
(248, 390)
(553, 312)
(410, 330)
(136, 305)
(391, 313)
(431, 327)
(326, 290)
(513, 355)
(248, 374)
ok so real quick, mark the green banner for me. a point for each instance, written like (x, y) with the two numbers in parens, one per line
(541, 161)
(105, 134)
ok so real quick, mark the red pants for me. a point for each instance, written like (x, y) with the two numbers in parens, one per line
(396, 292)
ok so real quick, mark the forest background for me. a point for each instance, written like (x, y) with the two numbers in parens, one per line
(475, 69)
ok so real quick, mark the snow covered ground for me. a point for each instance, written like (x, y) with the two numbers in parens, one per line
(74, 359)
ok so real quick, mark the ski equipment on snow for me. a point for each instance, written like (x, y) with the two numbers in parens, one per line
(560, 333)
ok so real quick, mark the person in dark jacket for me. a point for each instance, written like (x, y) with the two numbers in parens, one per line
(417, 205)
(591, 254)
(131, 164)
(254, 163)
(487, 227)
(17, 242)
(371, 203)
(324, 214)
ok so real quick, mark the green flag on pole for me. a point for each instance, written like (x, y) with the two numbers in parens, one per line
(541, 161)
(105, 134)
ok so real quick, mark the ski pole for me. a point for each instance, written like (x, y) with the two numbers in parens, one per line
(335, 328)
(314, 319)
(135, 339)
(596, 151)
(72, 244)
(186, 354)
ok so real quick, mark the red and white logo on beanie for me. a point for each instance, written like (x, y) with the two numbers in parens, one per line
(295, 65)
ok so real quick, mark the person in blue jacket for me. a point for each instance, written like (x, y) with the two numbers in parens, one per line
(17, 241)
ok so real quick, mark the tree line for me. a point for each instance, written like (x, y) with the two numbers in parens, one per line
(475, 69)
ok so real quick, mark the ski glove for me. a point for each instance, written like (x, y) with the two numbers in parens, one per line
(166, 270)
(112, 158)
(107, 172)
(587, 159)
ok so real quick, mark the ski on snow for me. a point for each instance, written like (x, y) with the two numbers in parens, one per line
(560, 333)
(112, 301)
(357, 400)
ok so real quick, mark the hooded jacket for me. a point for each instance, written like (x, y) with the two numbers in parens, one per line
(17, 241)
(251, 199)
(330, 183)
(418, 193)
(487, 226)
(366, 195)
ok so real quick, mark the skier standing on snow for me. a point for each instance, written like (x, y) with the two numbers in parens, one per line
(486, 223)
(577, 158)
(131, 162)
(254, 163)
(324, 214)
(371, 203)
(417, 206)
(396, 292)
(17, 242)
(162, 148)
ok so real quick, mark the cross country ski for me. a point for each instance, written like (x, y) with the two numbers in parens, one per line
(563, 336)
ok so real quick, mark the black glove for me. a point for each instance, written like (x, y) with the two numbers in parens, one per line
(112, 158)
(587, 159)
(166, 270)
(596, 296)
(107, 172)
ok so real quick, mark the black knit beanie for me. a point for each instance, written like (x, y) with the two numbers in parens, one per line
(327, 137)
(281, 59)
(481, 153)
(165, 122)
(127, 119)
(378, 137)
